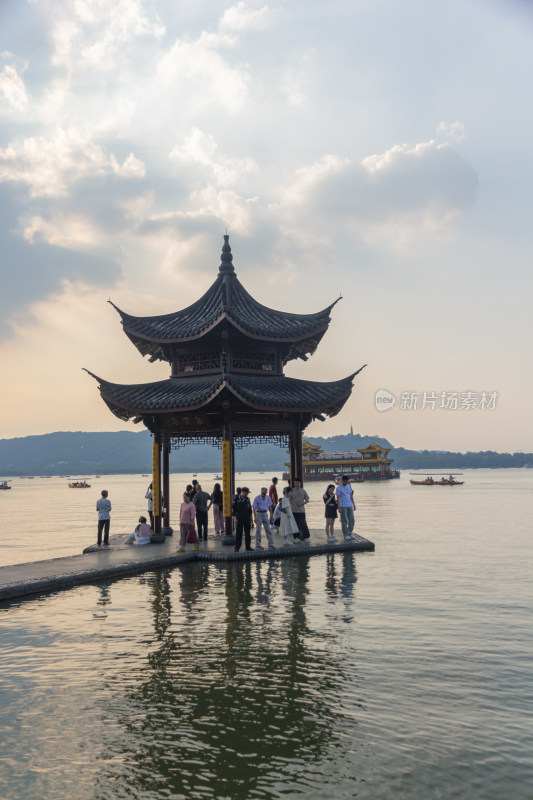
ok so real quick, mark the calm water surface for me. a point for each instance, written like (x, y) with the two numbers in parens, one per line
(404, 673)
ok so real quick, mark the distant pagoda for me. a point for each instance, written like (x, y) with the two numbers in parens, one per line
(226, 388)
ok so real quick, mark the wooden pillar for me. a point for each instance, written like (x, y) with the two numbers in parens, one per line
(167, 530)
(228, 480)
(292, 458)
(298, 456)
(156, 482)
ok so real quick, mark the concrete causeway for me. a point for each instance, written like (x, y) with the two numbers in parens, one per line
(120, 559)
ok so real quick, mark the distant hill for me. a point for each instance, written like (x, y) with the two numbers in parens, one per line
(79, 453)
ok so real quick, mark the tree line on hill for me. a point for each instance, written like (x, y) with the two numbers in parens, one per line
(79, 453)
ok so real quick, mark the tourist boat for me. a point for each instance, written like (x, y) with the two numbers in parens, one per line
(4, 485)
(79, 485)
(428, 481)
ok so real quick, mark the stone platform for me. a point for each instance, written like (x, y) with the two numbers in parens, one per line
(119, 559)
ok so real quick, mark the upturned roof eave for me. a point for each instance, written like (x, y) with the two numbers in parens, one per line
(122, 409)
(132, 334)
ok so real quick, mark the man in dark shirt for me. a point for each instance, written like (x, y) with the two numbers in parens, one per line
(242, 511)
(201, 500)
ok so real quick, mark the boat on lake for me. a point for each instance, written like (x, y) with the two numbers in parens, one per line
(79, 485)
(428, 481)
(4, 485)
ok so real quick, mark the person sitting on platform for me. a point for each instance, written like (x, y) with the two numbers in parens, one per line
(187, 517)
(141, 534)
(262, 506)
(242, 511)
(201, 500)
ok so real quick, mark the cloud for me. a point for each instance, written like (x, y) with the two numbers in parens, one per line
(201, 150)
(49, 166)
(241, 17)
(13, 89)
(197, 69)
(452, 130)
(95, 31)
(390, 197)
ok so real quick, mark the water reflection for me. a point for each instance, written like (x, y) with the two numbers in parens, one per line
(237, 692)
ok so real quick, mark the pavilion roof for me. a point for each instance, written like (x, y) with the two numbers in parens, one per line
(275, 393)
(226, 299)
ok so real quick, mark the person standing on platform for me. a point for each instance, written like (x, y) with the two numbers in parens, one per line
(330, 503)
(346, 502)
(201, 500)
(287, 524)
(242, 511)
(150, 497)
(187, 517)
(299, 499)
(262, 508)
(218, 506)
(103, 506)
(273, 494)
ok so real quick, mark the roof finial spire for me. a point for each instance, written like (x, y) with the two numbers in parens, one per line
(226, 266)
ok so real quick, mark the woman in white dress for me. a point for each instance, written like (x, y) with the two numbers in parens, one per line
(288, 524)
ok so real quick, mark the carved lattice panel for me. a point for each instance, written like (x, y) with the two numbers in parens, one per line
(255, 362)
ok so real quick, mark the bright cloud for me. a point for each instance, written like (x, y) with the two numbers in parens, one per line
(201, 149)
(241, 17)
(95, 30)
(50, 166)
(197, 68)
(388, 197)
(12, 88)
(452, 130)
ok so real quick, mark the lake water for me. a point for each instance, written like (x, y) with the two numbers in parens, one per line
(403, 673)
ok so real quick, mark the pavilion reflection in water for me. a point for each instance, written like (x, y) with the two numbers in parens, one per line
(224, 706)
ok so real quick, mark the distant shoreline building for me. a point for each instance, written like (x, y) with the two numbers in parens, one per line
(370, 463)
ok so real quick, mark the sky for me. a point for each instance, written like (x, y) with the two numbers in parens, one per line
(376, 149)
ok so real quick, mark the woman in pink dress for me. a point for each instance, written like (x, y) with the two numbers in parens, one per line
(187, 518)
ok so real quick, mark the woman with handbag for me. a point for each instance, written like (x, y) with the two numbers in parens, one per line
(187, 518)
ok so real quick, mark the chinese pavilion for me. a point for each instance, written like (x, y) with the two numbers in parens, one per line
(226, 387)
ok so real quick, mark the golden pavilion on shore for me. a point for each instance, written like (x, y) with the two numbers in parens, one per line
(370, 463)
